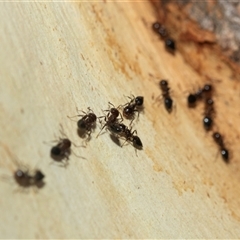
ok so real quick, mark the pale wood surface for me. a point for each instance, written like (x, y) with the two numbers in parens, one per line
(59, 56)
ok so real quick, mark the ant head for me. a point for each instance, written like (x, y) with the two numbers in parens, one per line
(209, 102)
(128, 111)
(163, 84)
(114, 112)
(224, 153)
(156, 26)
(207, 88)
(67, 143)
(55, 151)
(21, 178)
(207, 123)
(139, 100)
(217, 136)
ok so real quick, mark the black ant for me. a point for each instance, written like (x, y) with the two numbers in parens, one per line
(86, 123)
(135, 104)
(168, 102)
(123, 131)
(224, 152)
(24, 179)
(134, 139)
(161, 30)
(205, 92)
(62, 150)
(209, 110)
(112, 117)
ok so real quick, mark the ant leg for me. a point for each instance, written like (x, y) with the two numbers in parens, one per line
(136, 152)
(101, 129)
(74, 117)
(124, 143)
(77, 155)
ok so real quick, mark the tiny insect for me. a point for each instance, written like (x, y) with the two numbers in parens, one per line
(87, 123)
(168, 102)
(62, 150)
(208, 114)
(219, 140)
(130, 136)
(24, 179)
(205, 92)
(113, 116)
(135, 105)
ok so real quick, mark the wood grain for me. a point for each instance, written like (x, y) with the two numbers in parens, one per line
(59, 56)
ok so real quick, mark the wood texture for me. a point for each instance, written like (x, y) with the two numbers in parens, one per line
(59, 56)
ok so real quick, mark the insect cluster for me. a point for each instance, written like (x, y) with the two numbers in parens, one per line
(112, 121)
(205, 94)
(202, 94)
(161, 30)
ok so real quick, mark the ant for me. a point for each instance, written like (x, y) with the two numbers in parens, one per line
(168, 102)
(209, 110)
(224, 152)
(86, 123)
(111, 117)
(62, 150)
(134, 139)
(24, 179)
(160, 29)
(205, 92)
(135, 104)
(123, 131)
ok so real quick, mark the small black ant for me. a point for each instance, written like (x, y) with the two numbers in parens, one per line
(22, 176)
(123, 131)
(112, 117)
(134, 139)
(168, 102)
(135, 104)
(209, 110)
(86, 123)
(224, 152)
(24, 179)
(62, 150)
(205, 92)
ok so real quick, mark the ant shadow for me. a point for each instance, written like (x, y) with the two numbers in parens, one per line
(85, 134)
(115, 139)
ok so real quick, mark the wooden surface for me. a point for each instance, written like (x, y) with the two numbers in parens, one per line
(59, 56)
